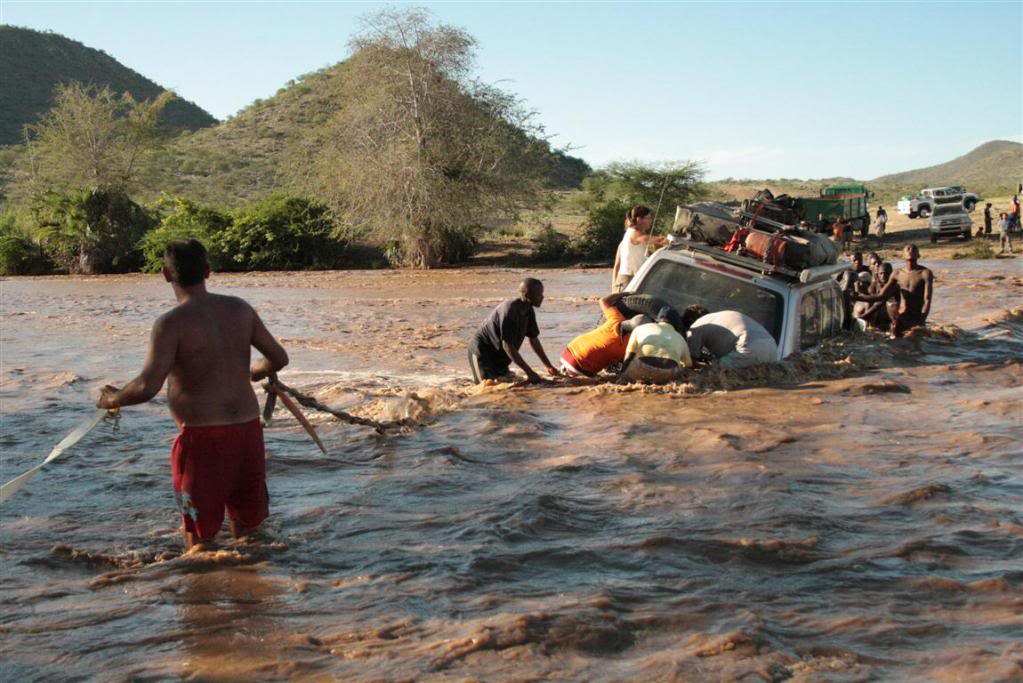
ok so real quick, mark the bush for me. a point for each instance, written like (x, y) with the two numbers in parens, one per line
(550, 245)
(19, 254)
(442, 245)
(186, 220)
(92, 231)
(280, 232)
(980, 249)
(603, 230)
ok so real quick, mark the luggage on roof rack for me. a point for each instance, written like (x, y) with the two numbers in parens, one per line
(709, 222)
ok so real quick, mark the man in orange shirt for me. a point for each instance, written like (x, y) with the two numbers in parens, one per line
(594, 351)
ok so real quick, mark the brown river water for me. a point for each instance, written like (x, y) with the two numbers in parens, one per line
(853, 514)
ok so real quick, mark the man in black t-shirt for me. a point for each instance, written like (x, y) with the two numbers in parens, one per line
(496, 343)
(987, 219)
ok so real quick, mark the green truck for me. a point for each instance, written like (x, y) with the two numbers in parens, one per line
(847, 201)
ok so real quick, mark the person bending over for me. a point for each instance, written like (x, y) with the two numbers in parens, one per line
(496, 343)
(914, 285)
(734, 339)
(596, 350)
(203, 345)
(656, 351)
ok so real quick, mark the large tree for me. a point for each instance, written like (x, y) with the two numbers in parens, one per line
(419, 151)
(92, 139)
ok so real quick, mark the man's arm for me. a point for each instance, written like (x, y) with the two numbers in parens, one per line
(274, 356)
(610, 300)
(885, 293)
(513, 353)
(542, 355)
(163, 343)
(928, 288)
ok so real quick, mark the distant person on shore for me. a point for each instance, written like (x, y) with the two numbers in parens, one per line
(987, 220)
(1004, 226)
(1014, 213)
(823, 227)
(631, 251)
(733, 339)
(496, 343)
(914, 284)
(657, 351)
(881, 223)
(842, 233)
(204, 346)
(596, 350)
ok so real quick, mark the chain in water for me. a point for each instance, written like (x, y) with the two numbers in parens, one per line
(114, 418)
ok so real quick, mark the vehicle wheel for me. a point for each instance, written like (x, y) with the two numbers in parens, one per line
(934, 238)
(969, 205)
(914, 214)
(968, 235)
(924, 212)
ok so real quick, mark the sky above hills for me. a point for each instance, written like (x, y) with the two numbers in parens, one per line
(756, 90)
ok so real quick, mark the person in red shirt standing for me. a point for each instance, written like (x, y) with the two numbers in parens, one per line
(597, 349)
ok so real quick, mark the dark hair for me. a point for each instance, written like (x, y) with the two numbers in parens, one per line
(691, 315)
(635, 213)
(186, 262)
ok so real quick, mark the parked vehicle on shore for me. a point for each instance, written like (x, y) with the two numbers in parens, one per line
(922, 204)
(949, 219)
(799, 308)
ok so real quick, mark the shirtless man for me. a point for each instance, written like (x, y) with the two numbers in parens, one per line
(914, 285)
(203, 345)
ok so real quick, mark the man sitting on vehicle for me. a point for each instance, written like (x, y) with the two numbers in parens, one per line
(734, 339)
(591, 352)
(656, 351)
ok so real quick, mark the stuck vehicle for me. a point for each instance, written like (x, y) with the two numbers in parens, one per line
(799, 308)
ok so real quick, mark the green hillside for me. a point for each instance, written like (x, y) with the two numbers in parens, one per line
(248, 155)
(993, 168)
(32, 63)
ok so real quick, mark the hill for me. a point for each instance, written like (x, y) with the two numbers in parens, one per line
(246, 156)
(992, 168)
(32, 63)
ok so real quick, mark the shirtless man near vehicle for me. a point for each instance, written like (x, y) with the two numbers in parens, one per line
(914, 284)
(204, 346)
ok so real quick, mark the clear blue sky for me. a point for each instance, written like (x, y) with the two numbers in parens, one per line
(787, 89)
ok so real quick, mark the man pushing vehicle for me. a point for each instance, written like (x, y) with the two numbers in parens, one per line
(203, 345)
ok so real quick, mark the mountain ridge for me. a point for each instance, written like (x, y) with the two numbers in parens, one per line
(33, 63)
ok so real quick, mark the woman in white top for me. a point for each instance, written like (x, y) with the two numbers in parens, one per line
(632, 250)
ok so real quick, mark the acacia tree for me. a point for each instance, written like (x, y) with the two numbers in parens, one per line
(92, 139)
(419, 152)
(664, 185)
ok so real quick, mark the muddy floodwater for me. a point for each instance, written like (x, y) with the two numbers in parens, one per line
(853, 514)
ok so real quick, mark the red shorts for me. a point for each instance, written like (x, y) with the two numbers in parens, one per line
(218, 467)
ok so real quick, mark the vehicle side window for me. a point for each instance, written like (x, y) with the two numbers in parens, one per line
(809, 320)
(826, 312)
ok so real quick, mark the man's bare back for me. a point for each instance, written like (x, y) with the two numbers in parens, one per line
(209, 379)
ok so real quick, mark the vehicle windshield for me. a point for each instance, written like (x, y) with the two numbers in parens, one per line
(682, 285)
(947, 210)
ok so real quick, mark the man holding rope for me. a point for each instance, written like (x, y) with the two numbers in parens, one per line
(204, 346)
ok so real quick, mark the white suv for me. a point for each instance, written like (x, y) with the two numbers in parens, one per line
(950, 220)
(799, 309)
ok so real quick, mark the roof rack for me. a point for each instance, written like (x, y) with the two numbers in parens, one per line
(805, 276)
(744, 262)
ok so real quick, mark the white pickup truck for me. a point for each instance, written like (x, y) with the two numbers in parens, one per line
(924, 202)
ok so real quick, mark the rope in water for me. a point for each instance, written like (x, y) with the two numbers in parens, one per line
(310, 402)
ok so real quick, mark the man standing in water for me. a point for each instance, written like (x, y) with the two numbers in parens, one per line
(204, 346)
(914, 285)
(496, 343)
